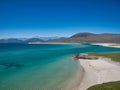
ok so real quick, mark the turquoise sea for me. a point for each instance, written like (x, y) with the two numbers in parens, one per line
(43, 66)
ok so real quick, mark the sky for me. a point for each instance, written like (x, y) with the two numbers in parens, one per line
(61, 18)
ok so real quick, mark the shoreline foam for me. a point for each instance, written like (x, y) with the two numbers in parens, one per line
(98, 72)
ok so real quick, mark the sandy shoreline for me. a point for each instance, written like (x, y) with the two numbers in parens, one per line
(50, 43)
(114, 45)
(99, 71)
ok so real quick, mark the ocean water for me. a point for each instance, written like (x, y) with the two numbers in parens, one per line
(44, 66)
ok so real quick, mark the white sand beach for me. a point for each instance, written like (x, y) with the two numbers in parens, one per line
(98, 72)
(108, 44)
(50, 43)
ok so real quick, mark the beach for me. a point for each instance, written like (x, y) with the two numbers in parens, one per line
(114, 45)
(98, 72)
(50, 43)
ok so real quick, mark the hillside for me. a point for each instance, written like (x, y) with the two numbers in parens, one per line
(90, 37)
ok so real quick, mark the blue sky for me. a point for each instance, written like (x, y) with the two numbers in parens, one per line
(28, 18)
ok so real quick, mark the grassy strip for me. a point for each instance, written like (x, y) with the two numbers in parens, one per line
(106, 86)
(113, 56)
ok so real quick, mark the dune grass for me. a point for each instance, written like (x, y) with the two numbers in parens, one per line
(113, 56)
(106, 86)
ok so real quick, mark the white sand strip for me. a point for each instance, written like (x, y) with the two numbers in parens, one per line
(99, 71)
(114, 45)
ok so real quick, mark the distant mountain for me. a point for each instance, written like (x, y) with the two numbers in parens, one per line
(11, 40)
(91, 37)
(48, 38)
(34, 40)
(77, 38)
(27, 40)
(86, 34)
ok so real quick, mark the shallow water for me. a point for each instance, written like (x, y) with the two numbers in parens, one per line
(46, 66)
